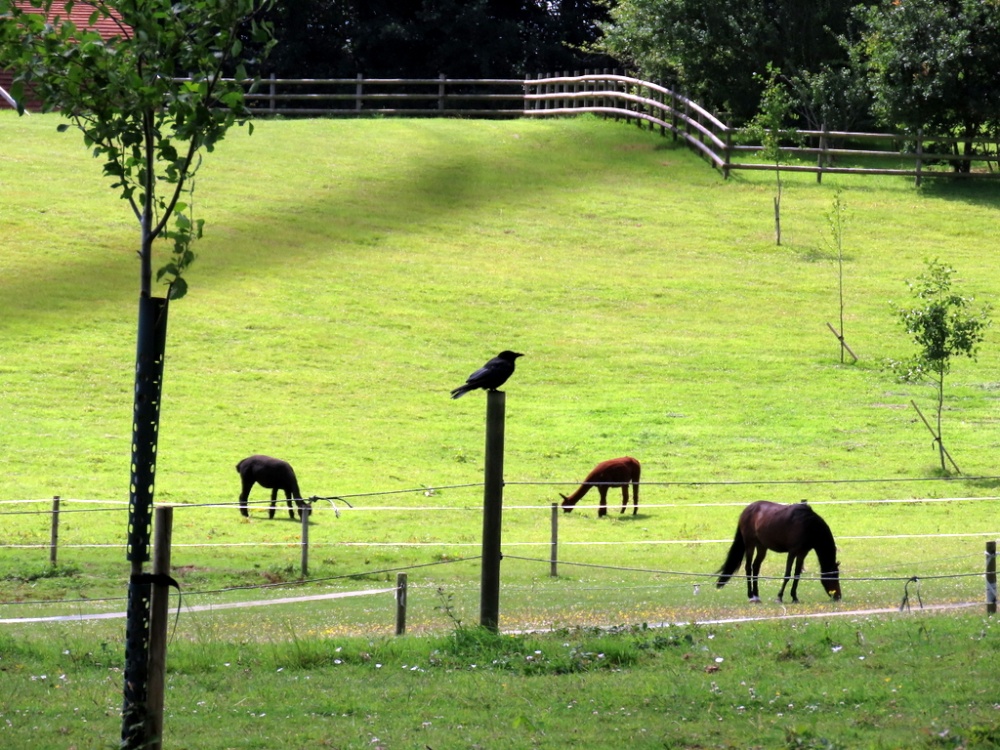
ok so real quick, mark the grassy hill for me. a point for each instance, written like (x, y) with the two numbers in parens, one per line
(353, 272)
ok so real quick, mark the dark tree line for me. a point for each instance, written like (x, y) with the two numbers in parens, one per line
(900, 64)
(425, 38)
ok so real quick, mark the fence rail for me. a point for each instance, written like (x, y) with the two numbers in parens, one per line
(623, 97)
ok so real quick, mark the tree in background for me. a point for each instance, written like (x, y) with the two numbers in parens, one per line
(943, 324)
(124, 95)
(425, 38)
(933, 65)
(768, 127)
(713, 51)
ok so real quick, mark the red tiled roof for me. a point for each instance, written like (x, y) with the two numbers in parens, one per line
(79, 14)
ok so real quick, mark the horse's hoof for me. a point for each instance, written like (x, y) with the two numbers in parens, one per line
(755, 599)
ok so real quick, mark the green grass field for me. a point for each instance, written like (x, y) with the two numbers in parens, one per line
(352, 273)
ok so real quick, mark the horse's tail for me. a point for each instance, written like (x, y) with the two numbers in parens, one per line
(736, 553)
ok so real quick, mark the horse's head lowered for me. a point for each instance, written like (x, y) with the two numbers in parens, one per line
(831, 581)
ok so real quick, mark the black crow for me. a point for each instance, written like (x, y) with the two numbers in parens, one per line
(490, 376)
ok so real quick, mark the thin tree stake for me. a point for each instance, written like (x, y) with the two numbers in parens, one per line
(843, 343)
(937, 438)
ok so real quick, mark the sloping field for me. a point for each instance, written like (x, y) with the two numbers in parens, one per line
(352, 273)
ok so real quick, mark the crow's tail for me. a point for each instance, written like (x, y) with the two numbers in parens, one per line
(460, 391)
(733, 559)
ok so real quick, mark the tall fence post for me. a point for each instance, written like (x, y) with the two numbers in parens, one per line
(401, 590)
(991, 578)
(272, 93)
(305, 511)
(54, 538)
(489, 597)
(158, 617)
(442, 91)
(358, 91)
(554, 546)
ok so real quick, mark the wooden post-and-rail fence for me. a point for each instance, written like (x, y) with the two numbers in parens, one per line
(623, 97)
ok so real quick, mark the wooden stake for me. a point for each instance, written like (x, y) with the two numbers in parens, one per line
(937, 438)
(54, 539)
(554, 550)
(401, 590)
(158, 617)
(305, 511)
(991, 578)
(843, 344)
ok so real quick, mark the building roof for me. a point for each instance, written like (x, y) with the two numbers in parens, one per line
(80, 14)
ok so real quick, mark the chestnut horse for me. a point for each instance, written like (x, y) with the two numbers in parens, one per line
(615, 472)
(273, 474)
(796, 529)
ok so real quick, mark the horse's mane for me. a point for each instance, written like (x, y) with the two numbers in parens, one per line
(819, 530)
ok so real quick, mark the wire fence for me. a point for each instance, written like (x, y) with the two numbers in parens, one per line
(519, 550)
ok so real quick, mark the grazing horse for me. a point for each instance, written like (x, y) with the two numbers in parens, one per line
(273, 474)
(615, 472)
(795, 529)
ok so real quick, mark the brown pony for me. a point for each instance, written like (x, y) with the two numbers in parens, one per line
(615, 472)
(795, 529)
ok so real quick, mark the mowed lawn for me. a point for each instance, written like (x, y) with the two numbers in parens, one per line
(353, 272)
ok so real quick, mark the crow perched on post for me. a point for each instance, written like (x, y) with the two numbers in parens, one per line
(490, 376)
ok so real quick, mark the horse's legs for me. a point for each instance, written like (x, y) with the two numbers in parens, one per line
(788, 574)
(603, 510)
(635, 498)
(799, 562)
(761, 554)
(288, 500)
(751, 575)
(274, 499)
(247, 485)
(624, 496)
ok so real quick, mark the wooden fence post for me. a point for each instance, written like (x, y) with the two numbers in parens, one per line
(554, 547)
(305, 511)
(442, 90)
(920, 154)
(821, 157)
(489, 598)
(727, 151)
(401, 590)
(158, 618)
(54, 538)
(272, 93)
(991, 578)
(358, 91)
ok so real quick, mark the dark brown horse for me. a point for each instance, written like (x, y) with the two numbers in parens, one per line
(615, 472)
(273, 474)
(795, 529)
